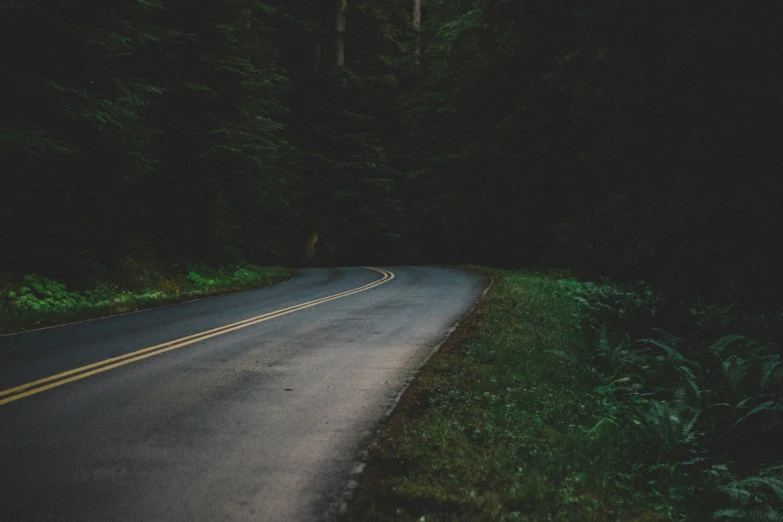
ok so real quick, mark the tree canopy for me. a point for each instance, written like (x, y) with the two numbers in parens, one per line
(631, 139)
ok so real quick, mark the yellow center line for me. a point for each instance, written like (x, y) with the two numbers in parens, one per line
(83, 372)
(244, 322)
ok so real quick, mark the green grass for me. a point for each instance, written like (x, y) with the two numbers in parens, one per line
(498, 425)
(32, 301)
(565, 400)
(568, 400)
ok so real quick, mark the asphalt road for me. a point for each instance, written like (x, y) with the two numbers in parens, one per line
(261, 420)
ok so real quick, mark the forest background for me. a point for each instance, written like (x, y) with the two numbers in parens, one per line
(160, 150)
(636, 140)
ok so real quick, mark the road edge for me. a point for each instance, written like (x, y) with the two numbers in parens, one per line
(452, 338)
(164, 303)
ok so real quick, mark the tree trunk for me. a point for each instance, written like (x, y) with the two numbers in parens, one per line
(342, 7)
(310, 248)
(417, 27)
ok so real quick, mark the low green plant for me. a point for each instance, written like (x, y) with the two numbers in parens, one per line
(692, 407)
(507, 426)
(758, 497)
(34, 300)
(588, 401)
(40, 294)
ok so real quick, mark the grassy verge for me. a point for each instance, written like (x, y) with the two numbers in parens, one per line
(496, 427)
(544, 408)
(31, 301)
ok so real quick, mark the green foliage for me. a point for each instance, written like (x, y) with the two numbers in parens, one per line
(44, 295)
(594, 135)
(32, 142)
(591, 134)
(144, 113)
(552, 408)
(693, 408)
(204, 279)
(758, 497)
(201, 130)
(37, 301)
(506, 425)
(50, 298)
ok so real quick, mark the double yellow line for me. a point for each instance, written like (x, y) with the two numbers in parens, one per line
(53, 381)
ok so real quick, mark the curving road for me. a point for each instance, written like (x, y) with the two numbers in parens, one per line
(248, 406)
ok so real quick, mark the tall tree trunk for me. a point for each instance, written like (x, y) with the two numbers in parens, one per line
(417, 27)
(342, 7)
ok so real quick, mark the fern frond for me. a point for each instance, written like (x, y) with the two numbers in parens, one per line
(735, 492)
(734, 369)
(770, 373)
(671, 351)
(768, 406)
(732, 513)
(773, 483)
(721, 344)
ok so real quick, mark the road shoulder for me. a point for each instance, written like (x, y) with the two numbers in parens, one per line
(495, 426)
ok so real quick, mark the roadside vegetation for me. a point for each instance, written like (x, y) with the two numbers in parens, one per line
(567, 400)
(32, 301)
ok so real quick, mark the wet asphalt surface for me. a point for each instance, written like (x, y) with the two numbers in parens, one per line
(263, 423)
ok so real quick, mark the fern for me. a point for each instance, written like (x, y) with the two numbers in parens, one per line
(724, 342)
(664, 430)
(759, 497)
(771, 378)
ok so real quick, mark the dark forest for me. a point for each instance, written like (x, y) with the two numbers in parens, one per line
(635, 140)
(609, 169)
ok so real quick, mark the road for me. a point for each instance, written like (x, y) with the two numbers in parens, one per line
(145, 416)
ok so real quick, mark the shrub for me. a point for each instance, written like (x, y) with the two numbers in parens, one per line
(693, 409)
(34, 300)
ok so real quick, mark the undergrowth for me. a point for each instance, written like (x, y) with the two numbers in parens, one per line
(578, 401)
(698, 405)
(31, 301)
